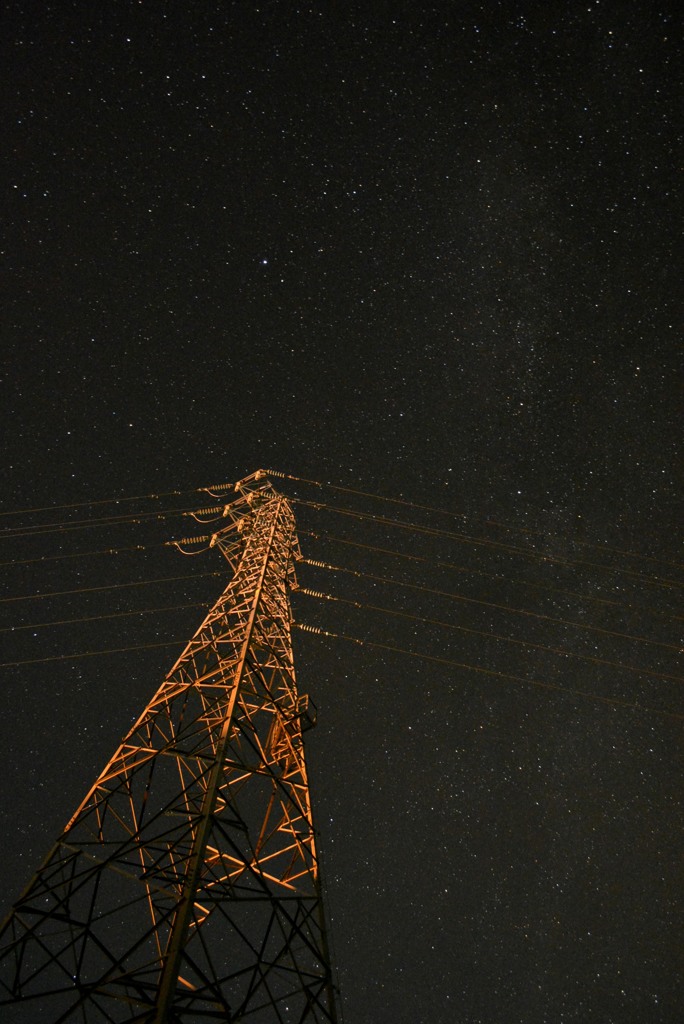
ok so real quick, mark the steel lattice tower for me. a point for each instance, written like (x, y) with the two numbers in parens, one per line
(186, 886)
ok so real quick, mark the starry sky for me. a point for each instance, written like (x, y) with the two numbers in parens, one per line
(425, 251)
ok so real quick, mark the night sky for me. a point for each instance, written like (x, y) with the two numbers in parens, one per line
(430, 252)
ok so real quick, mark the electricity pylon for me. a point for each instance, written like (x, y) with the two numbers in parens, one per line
(186, 886)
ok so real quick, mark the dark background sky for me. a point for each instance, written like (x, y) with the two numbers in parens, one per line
(426, 251)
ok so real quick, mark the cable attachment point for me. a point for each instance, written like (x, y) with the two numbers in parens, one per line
(312, 629)
(327, 565)
(187, 540)
(217, 487)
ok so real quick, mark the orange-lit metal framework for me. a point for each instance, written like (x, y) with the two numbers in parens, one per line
(186, 886)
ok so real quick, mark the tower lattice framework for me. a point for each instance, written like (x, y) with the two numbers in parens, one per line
(186, 886)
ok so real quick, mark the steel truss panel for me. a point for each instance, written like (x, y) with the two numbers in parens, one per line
(185, 888)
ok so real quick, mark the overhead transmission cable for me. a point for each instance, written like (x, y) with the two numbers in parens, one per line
(562, 652)
(213, 488)
(374, 644)
(583, 543)
(500, 607)
(482, 542)
(207, 539)
(68, 527)
(116, 501)
(488, 672)
(485, 542)
(363, 494)
(111, 586)
(468, 571)
(100, 618)
(462, 515)
(558, 651)
(499, 578)
(90, 654)
(83, 554)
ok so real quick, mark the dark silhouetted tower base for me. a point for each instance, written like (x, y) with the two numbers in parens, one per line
(186, 886)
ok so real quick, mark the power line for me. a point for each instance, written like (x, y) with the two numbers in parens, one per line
(490, 672)
(380, 646)
(111, 586)
(143, 547)
(558, 651)
(503, 607)
(116, 501)
(364, 494)
(117, 551)
(461, 569)
(334, 487)
(499, 577)
(90, 654)
(584, 543)
(100, 618)
(562, 652)
(386, 580)
(82, 554)
(67, 527)
(461, 515)
(485, 542)
(317, 536)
